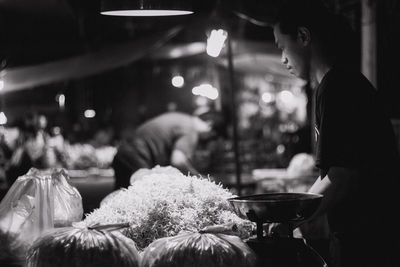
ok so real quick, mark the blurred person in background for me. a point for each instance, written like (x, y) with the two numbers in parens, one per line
(104, 136)
(356, 151)
(168, 139)
(33, 148)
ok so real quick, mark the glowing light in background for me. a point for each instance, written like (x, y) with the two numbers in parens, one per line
(3, 118)
(286, 101)
(1, 85)
(267, 97)
(286, 96)
(60, 98)
(189, 49)
(215, 42)
(206, 90)
(61, 101)
(280, 149)
(178, 81)
(89, 113)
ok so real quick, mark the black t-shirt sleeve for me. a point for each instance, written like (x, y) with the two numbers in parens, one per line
(337, 143)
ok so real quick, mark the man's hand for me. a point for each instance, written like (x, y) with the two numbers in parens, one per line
(283, 230)
(278, 229)
(180, 161)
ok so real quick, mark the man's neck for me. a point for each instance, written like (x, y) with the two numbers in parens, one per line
(320, 65)
(320, 71)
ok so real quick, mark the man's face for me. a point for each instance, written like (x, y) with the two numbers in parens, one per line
(295, 53)
(204, 129)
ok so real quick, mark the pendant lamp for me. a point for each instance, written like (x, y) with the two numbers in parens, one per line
(144, 8)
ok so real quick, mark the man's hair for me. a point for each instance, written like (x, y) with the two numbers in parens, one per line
(312, 14)
(218, 123)
(333, 31)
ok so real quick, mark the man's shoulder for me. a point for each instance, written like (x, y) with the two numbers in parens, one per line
(345, 81)
(346, 76)
(174, 116)
(167, 122)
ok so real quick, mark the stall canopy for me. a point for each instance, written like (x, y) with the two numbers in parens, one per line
(84, 65)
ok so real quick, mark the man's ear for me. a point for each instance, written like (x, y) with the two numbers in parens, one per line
(303, 36)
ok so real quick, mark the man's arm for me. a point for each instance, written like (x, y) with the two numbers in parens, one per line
(336, 186)
(182, 162)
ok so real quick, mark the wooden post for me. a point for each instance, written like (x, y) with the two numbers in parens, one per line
(369, 40)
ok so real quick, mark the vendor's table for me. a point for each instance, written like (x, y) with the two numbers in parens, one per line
(93, 187)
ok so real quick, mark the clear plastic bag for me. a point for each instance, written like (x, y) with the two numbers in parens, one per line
(37, 201)
(198, 250)
(89, 247)
(67, 200)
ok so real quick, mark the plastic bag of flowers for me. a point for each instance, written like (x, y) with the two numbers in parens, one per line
(36, 202)
(83, 247)
(198, 250)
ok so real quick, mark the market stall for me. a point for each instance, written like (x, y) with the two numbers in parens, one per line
(271, 133)
(190, 215)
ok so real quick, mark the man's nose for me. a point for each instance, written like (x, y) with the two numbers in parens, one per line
(284, 59)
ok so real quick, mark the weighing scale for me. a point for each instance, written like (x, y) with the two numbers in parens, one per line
(284, 208)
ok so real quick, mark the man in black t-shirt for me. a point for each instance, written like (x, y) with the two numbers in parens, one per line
(356, 150)
(168, 139)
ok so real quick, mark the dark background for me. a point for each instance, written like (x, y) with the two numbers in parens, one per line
(52, 30)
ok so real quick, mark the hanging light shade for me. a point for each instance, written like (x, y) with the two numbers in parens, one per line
(146, 7)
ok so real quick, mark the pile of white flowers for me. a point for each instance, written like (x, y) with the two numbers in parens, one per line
(164, 204)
